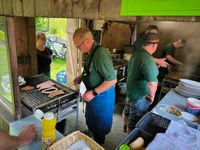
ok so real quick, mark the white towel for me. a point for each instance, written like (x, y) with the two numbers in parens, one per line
(178, 136)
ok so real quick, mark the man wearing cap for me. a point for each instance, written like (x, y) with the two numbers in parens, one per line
(141, 81)
(138, 44)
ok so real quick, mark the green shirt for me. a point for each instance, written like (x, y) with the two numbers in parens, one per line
(137, 45)
(141, 69)
(101, 68)
(169, 49)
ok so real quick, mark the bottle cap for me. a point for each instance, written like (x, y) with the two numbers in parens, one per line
(38, 114)
(48, 116)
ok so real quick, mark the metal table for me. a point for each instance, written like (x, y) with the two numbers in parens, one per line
(17, 126)
(177, 101)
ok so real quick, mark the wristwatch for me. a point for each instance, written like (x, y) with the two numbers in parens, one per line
(94, 92)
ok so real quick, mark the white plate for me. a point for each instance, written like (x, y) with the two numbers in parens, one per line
(190, 82)
(191, 91)
(189, 86)
(188, 116)
(186, 93)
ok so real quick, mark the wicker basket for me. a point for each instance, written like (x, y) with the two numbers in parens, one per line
(67, 141)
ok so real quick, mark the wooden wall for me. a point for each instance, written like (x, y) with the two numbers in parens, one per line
(117, 35)
(87, 9)
(90, 9)
(22, 52)
(24, 38)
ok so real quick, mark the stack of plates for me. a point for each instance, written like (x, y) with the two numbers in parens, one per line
(188, 88)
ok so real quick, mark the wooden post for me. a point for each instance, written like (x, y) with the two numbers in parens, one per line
(73, 56)
(13, 63)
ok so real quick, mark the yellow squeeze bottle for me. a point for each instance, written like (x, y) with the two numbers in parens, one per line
(48, 130)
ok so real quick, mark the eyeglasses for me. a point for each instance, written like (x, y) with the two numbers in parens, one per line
(78, 46)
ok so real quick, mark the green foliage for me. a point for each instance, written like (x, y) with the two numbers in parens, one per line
(42, 24)
(58, 27)
(52, 26)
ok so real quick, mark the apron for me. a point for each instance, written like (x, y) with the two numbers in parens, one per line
(99, 112)
(86, 72)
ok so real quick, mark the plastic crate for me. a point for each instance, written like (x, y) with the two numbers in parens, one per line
(153, 124)
(61, 76)
(134, 135)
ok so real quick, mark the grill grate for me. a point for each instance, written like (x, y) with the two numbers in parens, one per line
(34, 99)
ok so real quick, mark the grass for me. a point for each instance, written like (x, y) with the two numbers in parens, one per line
(56, 66)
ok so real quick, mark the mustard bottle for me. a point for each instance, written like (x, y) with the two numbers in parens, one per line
(48, 130)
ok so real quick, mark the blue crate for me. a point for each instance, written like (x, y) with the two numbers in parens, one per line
(61, 76)
(152, 124)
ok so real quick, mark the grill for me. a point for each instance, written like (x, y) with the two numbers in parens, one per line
(172, 80)
(60, 105)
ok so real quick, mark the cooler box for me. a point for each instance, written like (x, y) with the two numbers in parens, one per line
(61, 77)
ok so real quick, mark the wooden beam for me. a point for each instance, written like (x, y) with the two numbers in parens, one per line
(73, 56)
(17, 7)
(178, 19)
(13, 63)
(110, 10)
(7, 7)
(88, 9)
(43, 8)
(61, 8)
(83, 9)
(29, 8)
(31, 46)
(21, 45)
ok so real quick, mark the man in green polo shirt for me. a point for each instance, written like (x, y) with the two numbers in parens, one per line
(169, 53)
(99, 78)
(138, 44)
(141, 81)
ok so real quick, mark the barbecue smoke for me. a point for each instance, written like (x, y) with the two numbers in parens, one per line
(192, 59)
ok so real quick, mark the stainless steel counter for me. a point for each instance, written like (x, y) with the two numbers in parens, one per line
(177, 101)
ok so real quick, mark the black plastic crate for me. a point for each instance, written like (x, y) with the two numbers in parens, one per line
(134, 135)
(153, 124)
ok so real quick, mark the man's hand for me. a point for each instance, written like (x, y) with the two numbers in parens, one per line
(27, 135)
(88, 96)
(150, 99)
(161, 62)
(77, 80)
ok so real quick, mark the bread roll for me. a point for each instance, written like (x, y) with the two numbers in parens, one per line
(137, 144)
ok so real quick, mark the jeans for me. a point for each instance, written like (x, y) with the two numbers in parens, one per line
(134, 110)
